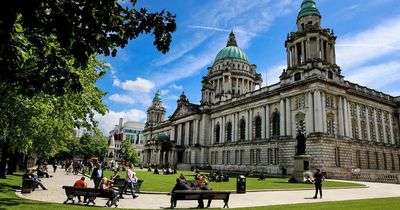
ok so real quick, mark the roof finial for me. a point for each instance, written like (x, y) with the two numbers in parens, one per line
(231, 40)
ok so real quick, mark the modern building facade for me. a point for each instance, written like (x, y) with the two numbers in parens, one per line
(128, 131)
(240, 126)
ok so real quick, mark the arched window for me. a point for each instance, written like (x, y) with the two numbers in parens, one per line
(354, 129)
(297, 76)
(242, 129)
(364, 130)
(330, 75)
(217, 132)
(229, 132)
(275, 124)
(258, 127)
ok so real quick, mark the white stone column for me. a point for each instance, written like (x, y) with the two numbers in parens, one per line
(267, 123)
(288, 118)
(222, 129)
(263, 122)
(282, 116)
(251, 124)
(295, 55)
(377, 137)
(368, 128)
(384, 127)
(180, 134)
(317, 111)
(187, 132)
(360, 133)
(303, 54)
(341, 123)
(247, 125)
(173, 137)
(347, 130)
(212, 131)
(323, 107)
(310, 114)
(391, 140)
(196, 132)
(288, 57)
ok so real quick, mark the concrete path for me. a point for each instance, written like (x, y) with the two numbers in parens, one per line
(251, 199)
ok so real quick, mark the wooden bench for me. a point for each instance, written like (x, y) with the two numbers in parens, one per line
(136, 186)
(199, 195)
(91, 194)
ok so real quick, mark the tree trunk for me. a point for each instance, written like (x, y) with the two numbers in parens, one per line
(3, 160)
(13, 162)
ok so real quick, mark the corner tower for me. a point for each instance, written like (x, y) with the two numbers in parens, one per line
(311, 49)
(156, 112)
(230, 76)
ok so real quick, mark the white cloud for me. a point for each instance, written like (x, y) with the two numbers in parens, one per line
(378, 76)
(273, 74)
(164, 92)
(138, 85)
(249, 17)
(356, 49)
(176, 87)
(121, 99)
(109, 120)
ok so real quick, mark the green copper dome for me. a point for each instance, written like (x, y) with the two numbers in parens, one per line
(231, 51)
(308, 7)
(157, 96)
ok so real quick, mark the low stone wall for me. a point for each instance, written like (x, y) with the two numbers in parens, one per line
(383, 178)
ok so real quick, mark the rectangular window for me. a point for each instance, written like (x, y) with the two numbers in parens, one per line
(358, 158)
(337, 157)
(236, 157)
(368, 160)
(376, 160)
(216, 157)
(228, 157)
(241, 156)
(269, 156)
(252, 161)
(258, 156)
(385, 161)
(223, 157)
(276, 150)
(392, 161)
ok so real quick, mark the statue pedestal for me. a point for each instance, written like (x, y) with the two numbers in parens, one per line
(301, 165)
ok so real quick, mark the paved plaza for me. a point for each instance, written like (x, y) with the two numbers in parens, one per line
(56, 194)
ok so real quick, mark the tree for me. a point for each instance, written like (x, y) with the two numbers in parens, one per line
(129, 153)
(90, 146)
(43, 124)
(40, 37)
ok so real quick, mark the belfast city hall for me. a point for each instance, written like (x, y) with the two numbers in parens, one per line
(241, 126)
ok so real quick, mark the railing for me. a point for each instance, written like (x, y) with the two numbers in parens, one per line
(384, 178)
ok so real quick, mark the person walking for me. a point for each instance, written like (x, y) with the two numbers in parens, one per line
(54, 166)
(318, 179)
(130, 180)
(97, 175)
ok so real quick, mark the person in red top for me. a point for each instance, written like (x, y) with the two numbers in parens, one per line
(81, 183)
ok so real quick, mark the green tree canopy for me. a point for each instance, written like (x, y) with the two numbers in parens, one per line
(129, 153)
(56, 31)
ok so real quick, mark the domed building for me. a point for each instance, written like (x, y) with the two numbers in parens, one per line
(241, 126)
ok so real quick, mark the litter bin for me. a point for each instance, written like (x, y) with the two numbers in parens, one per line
(27, 186)
(241, 184)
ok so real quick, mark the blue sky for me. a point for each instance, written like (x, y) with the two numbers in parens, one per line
(368, 48)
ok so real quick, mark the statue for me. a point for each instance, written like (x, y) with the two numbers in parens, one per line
(301, 143)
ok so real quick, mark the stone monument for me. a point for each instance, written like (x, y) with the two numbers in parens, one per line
(301, 159)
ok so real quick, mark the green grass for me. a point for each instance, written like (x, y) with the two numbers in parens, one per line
(164, 183)
(10, 201)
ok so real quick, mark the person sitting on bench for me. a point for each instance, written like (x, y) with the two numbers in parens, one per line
(81, 183)
(35, 179)
(106, 185)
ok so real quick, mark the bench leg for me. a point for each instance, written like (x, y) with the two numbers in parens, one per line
(70, 198)
(226, 204)
(91, 200)
(209, 203)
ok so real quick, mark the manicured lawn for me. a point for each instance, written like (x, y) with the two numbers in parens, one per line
(165, 183)
(9, 201)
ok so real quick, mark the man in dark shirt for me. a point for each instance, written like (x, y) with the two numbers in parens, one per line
(97, 175)
(318, 179)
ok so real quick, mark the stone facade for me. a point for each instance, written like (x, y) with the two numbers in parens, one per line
(240, 126)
